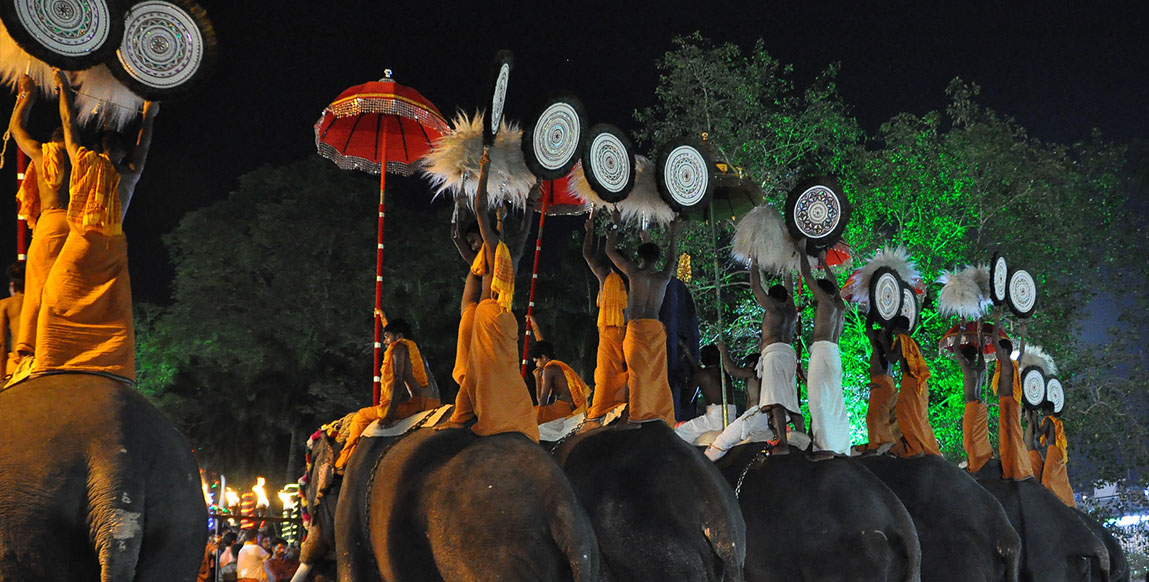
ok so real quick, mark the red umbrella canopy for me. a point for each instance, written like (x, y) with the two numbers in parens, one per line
(376, 120)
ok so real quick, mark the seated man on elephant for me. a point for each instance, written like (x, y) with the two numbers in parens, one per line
(706, 380)
(824, 378)
(777, 369)
(610, 374)
(406, 386)
(912, 408)
(644, 346)
(491, 390)
(562, 393)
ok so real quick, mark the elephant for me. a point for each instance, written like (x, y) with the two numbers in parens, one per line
(825, 520)
(1056, 545)
(448, 505)
(660, 509)
(963, 531)
(95, 484)
(1118, 565)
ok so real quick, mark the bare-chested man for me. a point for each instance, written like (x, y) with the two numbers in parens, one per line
(644, 346)
(706, 378)
(777, 369)
(407, 386)
(562, 393)
(43, 200)
(491, 391)
(1011, 442)
(610, 365)
(824, 381)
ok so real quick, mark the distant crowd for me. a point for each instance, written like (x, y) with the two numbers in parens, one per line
(248, 555)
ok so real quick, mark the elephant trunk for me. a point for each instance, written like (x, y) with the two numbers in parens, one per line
(909, 534)
(573, 532)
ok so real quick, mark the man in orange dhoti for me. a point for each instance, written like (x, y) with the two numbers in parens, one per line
(1047, 455)
(42, 200)
(975, 419)
(610, 367)
(1007, 382)
(880, 415)
(85, 319)
(10, 315)
(407, 386)
(644, 345)
(562, 393)
(491, 392)
(912, 408)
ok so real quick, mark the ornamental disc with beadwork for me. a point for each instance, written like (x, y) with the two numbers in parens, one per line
(551, 147)
(886, 294)
(608, 163)
(1022, 293)
(909, 306)
(166, 48)
(69, 34)
(817, 212)
(1033, 386)
(686, 176)
(1055, 395)
(499, 97)
(999, 279)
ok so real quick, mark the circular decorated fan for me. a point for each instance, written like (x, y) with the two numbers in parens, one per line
(551, 147)
(885, 295)
(1055, 395)
(817, 210)
(1033, 386)
(167, 48)
(998, 278)
(69, 34)
(685, 175)
(1022, 293)
(500, 79)
(608, 162)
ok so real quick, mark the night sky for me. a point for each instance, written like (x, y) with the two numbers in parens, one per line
(1060, 68)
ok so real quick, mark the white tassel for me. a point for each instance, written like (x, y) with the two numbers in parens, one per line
(762, 235)
(103, 99)
(643, 205)
(15, 62)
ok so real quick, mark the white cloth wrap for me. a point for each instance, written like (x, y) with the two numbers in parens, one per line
(690, 430)
(755, 422)
(777, 369)
(827, 404)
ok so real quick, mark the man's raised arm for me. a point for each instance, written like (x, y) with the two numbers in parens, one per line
(139, 154)
(600, 270)
(18, 124)
(729, 365)
(612, 253)
(760, 294)
(68, 115)
(672, 250)
(490, 237)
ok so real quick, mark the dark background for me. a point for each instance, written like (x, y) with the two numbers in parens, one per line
(1060, 68)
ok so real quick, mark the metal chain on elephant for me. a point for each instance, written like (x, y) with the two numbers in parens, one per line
(567, 436)
(757, 461)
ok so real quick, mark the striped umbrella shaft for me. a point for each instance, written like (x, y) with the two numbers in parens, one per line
(534, 279)
(378, 345)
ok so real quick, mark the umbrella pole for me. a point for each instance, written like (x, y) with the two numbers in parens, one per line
(21, 221)
(534, 279)
(378, 345)
(718, 308)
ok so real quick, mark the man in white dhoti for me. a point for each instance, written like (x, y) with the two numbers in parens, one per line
(831, 427)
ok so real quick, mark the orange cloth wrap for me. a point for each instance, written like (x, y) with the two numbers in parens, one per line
(95, 197)
(85, 317)
(46, 244)
(503, 279)
(1036, 462)
(9, 327)
(610, 373)
(387, 370)
(1055, 477)
(644, 348)
(880, 412)
(492, 389)
(463, 344)
(975, 435)
(612, 302)
(912, 410)
(1011, 441)
(52, 156)
(28, 196)
(365, 416)
(561, 408)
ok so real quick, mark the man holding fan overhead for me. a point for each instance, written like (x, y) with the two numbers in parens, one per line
(831, 427)
(492, 392)
(644, 345)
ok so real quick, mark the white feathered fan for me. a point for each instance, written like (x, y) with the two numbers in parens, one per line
(453, 164)
(857, 287)
(965, 293)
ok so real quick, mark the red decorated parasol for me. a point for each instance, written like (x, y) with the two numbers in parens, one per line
(372, 126)
(967, 334)
(555, 200)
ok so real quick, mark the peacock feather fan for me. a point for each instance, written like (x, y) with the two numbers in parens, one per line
(857, 287)
(965, 292)
(454, 162)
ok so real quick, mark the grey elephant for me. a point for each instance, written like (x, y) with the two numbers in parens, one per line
(1118, 565)
(448, 505)
(963, 531)
(660, 509)
(95, 484)
(1056, 545)
(827, 520)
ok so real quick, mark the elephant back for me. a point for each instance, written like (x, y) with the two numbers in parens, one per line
(963, 530)
(1056, 545)
(660, 509)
